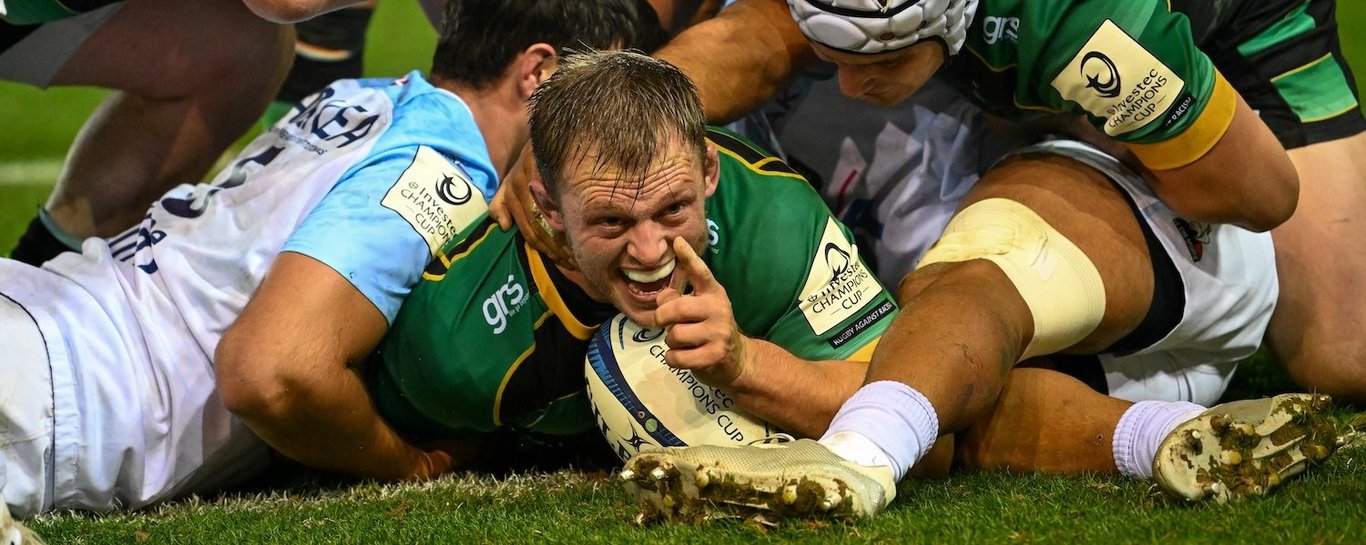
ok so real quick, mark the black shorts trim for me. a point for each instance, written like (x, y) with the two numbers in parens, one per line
(1168, 304)
(1086, 368)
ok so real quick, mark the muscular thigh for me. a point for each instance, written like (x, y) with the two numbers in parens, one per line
(165, 48)
(34, 53)
(1082, 205)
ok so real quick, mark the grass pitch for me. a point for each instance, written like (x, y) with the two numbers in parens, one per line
(566, 506)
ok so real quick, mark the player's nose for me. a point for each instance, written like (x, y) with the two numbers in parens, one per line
(649, 244)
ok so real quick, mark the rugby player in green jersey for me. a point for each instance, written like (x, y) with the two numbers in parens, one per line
(494, 338)
(1187, 86)
(994, 292)
(496, 334)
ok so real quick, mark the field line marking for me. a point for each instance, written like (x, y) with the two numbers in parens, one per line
(30, 172)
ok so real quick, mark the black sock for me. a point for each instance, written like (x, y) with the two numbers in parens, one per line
(37, 244)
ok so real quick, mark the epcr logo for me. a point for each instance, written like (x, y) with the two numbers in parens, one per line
(454, 191)
(838, 261)
(503, 303)
(1100, 74)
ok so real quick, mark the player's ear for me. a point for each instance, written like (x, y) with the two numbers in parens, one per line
(540, 197)
(534, 65)
(711, 169)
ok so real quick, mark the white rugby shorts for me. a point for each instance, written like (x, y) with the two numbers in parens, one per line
(1216, 306)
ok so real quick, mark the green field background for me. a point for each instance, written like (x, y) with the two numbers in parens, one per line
(38, 126)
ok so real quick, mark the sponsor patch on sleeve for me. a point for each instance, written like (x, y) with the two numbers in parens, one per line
(436, 197)
(838, 285)
(1115, 77)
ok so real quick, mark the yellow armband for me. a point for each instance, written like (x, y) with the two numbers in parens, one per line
(1201, 136)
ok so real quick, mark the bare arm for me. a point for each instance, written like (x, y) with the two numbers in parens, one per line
(293, 11)
(800, 396)
(289, 368)
(740, 58)
(1245, 179)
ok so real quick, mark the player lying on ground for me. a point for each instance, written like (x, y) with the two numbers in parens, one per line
(496, 335)
(109, 395)
(1058, 250)
(1132, 67)
(1141, 248)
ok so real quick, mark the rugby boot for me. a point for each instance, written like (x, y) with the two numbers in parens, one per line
(13, 533)
(762, 483)
(1245, 448)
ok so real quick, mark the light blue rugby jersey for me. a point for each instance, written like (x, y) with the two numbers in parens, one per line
(360, 233)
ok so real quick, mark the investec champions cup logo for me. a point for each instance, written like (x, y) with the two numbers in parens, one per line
(1114, 77)
(838, 284)
(436, 197)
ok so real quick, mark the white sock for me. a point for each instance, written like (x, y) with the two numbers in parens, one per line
(884, 423)
(1142, 429)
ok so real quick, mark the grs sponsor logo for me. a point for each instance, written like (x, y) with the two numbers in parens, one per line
(436, 197)
(1114, 77)
(838, 284)
(1196, 236)
(503, 304)
(713, 236)
(995, 28)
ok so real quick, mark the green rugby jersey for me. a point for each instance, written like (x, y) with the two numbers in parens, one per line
(496, 336)
(1131, 66)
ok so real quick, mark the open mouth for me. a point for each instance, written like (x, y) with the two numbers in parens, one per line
(645, 285)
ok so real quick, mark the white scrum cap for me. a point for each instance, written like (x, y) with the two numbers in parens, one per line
(875, 26)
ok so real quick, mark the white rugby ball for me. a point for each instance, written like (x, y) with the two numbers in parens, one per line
(639, 400)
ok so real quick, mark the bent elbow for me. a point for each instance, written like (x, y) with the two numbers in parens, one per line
(1276, 205)
(248, 384)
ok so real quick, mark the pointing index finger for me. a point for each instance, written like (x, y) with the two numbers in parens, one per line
(698, 274)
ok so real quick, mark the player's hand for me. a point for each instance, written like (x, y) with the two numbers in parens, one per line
(512, 203)
(432, 464)
(702, 334)
(440, 457)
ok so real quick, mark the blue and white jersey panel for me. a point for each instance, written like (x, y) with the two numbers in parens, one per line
(426, 177)
(141, 314)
